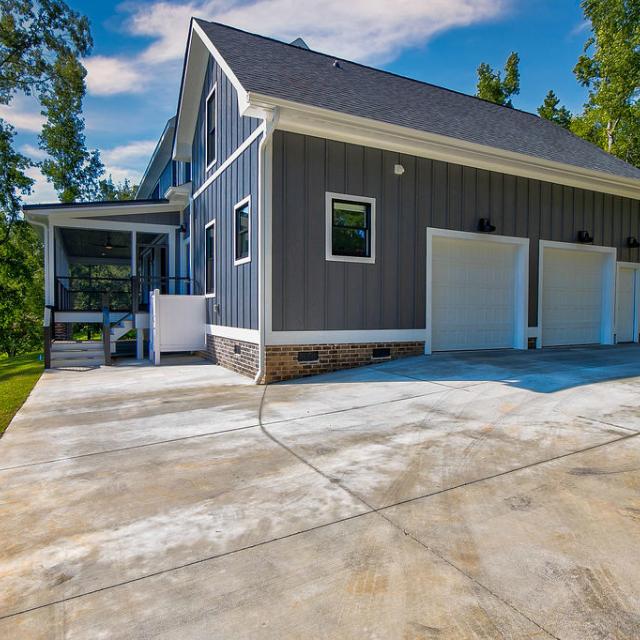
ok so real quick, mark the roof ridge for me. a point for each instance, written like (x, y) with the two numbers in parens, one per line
(370, 67)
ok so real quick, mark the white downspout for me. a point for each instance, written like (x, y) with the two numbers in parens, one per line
(264, 190)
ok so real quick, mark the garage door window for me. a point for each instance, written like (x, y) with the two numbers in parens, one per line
(350, 228)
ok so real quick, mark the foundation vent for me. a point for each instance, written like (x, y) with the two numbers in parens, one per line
(380, 352)
(308, 356)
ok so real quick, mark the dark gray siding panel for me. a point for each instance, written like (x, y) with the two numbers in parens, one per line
(310, 293)
(236, 286)
(232, 129)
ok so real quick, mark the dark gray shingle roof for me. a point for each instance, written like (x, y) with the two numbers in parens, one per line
(280, 70)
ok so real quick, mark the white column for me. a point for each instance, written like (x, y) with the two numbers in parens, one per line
(172, 260)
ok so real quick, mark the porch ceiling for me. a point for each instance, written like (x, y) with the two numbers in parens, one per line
(94, 243)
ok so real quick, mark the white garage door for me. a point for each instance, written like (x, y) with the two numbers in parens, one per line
(625, 304)
(473, 294)
(572, 297)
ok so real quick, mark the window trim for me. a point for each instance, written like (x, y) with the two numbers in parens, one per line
(239, 205)
(206, 227)
(213, 92)
(330, 196)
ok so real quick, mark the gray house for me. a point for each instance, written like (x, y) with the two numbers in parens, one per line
(303, 213)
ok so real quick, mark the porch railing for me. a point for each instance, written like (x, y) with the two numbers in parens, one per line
(124, 294)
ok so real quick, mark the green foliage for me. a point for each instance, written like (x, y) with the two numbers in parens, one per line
(14, 183)
(551, 111)
(493, 87)
(21, 290)
(610, 69)
(73, 170)
(109, 190)
(34, 36)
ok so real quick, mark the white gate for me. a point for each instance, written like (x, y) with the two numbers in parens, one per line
(176, 323)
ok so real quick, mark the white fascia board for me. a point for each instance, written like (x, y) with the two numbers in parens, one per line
(198, 49)
(56, 213)
(233, 333)
(333, 125)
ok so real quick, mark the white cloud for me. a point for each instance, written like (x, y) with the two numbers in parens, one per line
(131, 154)
(42, 191)
(118, 174)
(33, 152)
(371, 31)
(111, 75)
(21, 115)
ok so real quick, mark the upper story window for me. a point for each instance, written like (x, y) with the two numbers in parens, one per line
(350, 231)
(210, 133)
(242, 232)
(210, 259)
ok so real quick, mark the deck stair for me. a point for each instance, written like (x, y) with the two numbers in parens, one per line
(76, 353)
(119, 329)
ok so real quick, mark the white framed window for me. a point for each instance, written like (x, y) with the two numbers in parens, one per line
(350, 228)
(242, 232)
(210, 259)
(211, 117)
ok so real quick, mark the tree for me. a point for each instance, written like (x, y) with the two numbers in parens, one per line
(21, 290)
(109, 190)
(610, 69)
(493, 87)
(73, 170)
(551, 111)
(34, 35)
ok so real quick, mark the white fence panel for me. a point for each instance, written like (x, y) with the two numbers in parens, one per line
(176, 323)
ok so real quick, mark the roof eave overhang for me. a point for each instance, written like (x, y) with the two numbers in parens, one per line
(324, 123)
(199, 47)
(161, 155)
(45, 213)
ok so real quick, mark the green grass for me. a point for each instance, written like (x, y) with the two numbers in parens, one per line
(17, 377)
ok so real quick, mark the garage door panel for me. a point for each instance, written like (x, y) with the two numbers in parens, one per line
(572, 297)
(473, 294)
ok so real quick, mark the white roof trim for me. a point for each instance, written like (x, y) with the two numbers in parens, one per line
(134, 207)
(198, 49)
(334, 125)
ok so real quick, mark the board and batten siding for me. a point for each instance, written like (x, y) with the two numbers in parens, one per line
(236, 288)
(310, 293)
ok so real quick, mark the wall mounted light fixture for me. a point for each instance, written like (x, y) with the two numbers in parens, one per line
(632, 242)
(398, 169)
(584, 237)
(485, 226)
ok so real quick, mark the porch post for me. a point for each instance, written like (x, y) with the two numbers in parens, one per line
(134, 253)
(172, 261)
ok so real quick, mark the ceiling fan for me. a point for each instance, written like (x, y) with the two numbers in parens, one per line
(108, 245)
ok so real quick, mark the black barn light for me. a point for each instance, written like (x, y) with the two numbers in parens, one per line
(632, 242)
(585, 237)
(485, 226)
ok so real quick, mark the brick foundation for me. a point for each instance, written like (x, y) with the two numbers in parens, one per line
(296, 361)
(300, 360)
(241, 357)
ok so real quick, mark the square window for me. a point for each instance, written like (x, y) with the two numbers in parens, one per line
(350, 228)
(242, 233)
(210, 262)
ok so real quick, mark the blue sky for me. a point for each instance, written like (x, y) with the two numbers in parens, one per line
(134, 70)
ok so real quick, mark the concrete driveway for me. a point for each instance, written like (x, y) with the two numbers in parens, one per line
(485, 495)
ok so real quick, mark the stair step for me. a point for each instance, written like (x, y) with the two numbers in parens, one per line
(76, 346)
(77, 355)
(65, 363)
